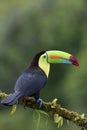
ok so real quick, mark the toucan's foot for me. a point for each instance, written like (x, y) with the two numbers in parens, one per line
(40, 102)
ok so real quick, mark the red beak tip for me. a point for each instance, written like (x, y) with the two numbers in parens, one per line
(74, 61)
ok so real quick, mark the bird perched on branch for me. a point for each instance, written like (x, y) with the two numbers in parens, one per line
(35, 76)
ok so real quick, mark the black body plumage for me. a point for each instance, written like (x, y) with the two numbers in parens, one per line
(28, 84)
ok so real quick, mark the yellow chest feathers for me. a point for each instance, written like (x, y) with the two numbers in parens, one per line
(44, 65)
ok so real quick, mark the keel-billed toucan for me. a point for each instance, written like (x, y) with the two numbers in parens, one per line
(35, 76)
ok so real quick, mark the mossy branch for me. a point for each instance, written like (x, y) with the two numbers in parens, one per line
(53, 107)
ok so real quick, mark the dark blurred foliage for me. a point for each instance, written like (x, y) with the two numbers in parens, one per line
(27, 27)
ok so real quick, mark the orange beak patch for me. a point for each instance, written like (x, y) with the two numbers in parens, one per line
(57, 57)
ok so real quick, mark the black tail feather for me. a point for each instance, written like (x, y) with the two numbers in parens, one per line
(12, 99)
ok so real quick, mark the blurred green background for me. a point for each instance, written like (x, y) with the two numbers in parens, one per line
(29, 26)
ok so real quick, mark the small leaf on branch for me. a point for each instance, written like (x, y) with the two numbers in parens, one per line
(14, 107)
(53, 104)
(58, 119)
(82, 116)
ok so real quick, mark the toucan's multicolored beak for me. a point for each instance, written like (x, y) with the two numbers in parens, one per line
(61, 57)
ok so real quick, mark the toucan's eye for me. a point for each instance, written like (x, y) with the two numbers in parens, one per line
(44, 56)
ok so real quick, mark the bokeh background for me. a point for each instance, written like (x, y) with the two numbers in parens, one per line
(29, 26)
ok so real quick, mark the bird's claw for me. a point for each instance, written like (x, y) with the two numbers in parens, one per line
(40, 102)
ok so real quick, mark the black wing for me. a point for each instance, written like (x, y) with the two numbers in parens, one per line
(30, 83)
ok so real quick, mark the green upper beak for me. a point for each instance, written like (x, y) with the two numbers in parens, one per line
(55, 56)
